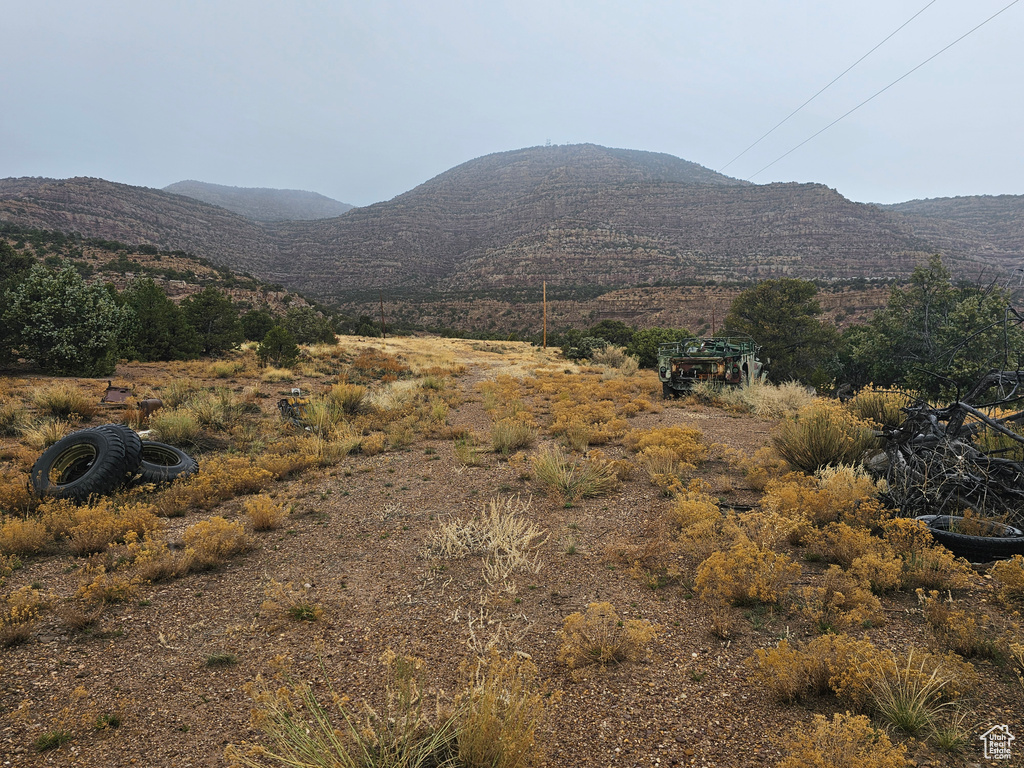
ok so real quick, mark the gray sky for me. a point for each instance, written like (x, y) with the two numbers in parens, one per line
(362, 101)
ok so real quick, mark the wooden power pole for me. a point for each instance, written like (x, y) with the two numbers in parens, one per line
(383, 328)
(545, 289)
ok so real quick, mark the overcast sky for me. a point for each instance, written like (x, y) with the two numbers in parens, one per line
(362, 101)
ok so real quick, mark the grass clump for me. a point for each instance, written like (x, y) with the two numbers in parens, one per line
(221, 659)
(599, 637)
(823, 434)
(501, 533)
(12, 418)
(290, 602)
(881, 406)
(347, 398)
(511, 434)
(572, 480)
(847, 741)
(63, 400)
(44, 434)
(52, 740)
(298, 730)
(175, 426)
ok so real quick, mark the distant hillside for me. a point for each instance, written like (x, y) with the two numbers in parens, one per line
(992, 227)
(180, 274)
(262, 204)
(579, 217)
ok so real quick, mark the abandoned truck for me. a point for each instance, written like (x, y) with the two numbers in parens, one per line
(726, 361)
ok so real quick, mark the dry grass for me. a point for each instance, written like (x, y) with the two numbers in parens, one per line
(41, 436)
(599, 637)
(501, 533)
(286, 602)
(63, 400)
(573, 480)
(823, 434)
(176, 426)
(13, 418)
(511, 434)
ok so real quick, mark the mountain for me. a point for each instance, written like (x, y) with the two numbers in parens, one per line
(991, 226)
(573, 216)
(262, 204)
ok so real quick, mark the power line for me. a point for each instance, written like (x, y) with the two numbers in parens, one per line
(837, 77)
(883, 90)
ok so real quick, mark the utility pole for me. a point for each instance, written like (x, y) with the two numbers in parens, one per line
(383, 328)
(544, 284)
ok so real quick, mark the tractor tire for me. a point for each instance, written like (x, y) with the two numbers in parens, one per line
(667, 393)
(90, 462)
(132, 446)
(162, 463)
(1005, 541)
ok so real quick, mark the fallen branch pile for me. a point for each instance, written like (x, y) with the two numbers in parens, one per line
(936, 466)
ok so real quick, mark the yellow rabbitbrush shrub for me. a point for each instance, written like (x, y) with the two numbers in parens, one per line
(881, 406)
(926, 563)
(957, 630)
(219, 479)
(825, 663)
(19, 612)
(840, 601)
(499, 710)
(20, 536)
(213, 541)
(95, 526)
(599, 637)
(822, 434)
(842, 544)
(15, 497)
(687, 443)
(836, 493)
(1010, 575)
(746, 575)
(264, 514)
(847, 741)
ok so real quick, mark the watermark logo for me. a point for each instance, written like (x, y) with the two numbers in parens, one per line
(997, 740)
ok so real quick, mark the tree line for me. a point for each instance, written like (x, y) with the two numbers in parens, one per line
(52, 317)
(934, 335)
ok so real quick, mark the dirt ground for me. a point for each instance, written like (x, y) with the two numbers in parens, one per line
(355, 545)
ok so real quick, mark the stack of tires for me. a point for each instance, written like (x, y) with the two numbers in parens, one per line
(99, 460)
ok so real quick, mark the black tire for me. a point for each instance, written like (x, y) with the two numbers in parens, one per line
(1005, 541)
(667, 392)
(90, 462)
(132, 447)
(162, 463)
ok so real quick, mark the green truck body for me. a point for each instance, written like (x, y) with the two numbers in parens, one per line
(725, 361)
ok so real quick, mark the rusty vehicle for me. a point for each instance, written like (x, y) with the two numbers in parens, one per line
(724, 361)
